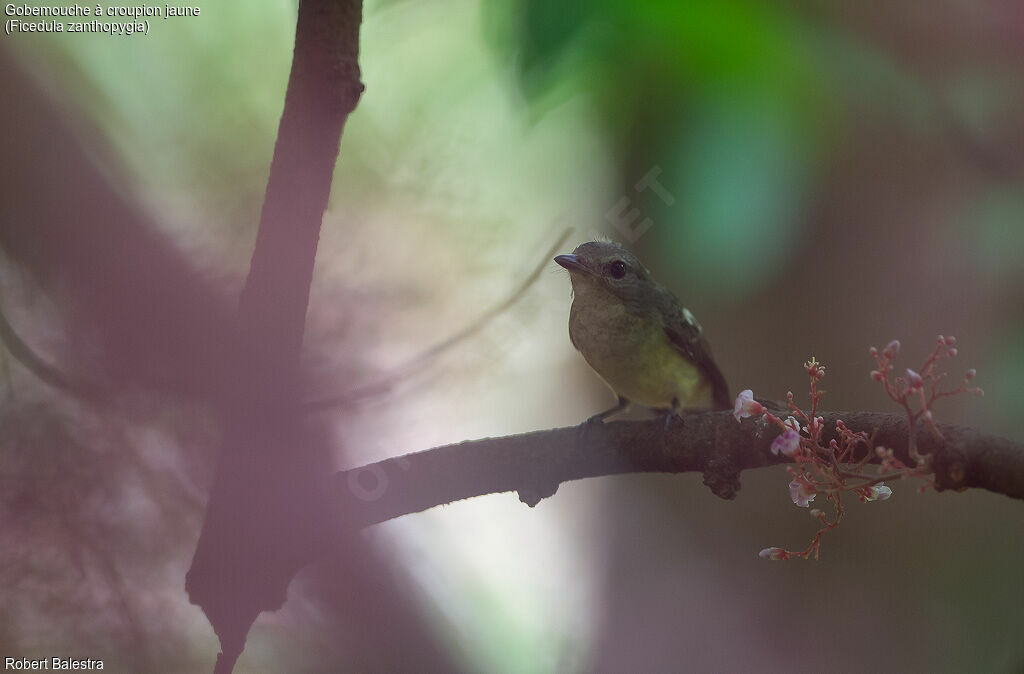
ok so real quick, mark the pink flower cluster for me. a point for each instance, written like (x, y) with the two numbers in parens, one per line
(843, 463)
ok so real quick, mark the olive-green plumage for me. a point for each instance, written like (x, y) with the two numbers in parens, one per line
(636, 335)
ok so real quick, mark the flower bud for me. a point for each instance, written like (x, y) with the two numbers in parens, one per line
(914, 380)
(772, 553)
(879, 492)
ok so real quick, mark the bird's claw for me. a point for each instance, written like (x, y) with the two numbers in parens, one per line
(672, 417)
(596, 420)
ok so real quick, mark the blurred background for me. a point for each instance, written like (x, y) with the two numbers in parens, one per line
(810, 179)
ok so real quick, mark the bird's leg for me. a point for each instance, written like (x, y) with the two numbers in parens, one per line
(598, 419)
(621, 406)
(673, 415)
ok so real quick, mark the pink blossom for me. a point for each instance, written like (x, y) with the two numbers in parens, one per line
(802, 492)
(773, 553)
(787, 444)
(746, 405)
(878, 492)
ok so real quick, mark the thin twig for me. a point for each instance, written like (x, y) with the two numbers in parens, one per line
(47, 373)
(407, 369)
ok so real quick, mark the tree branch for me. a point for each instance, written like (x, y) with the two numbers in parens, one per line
(34, 363)
(712, 443)
(260, 524)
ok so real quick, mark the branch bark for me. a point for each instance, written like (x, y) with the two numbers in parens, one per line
(712, 443)
(262, 524)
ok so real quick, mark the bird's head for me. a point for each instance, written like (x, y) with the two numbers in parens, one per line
(605, 266)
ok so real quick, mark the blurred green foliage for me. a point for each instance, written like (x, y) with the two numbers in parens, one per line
(726, 97)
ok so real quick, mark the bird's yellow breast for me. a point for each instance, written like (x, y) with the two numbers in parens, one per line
(634, 355)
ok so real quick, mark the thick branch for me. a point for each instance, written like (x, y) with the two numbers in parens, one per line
(260, 522)
(323, 88)
(713, 443)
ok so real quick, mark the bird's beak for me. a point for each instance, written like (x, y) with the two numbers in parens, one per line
(572, 263)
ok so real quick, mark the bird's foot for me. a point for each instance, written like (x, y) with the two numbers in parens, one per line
(592, 422)
(598, 419)
(673, 417)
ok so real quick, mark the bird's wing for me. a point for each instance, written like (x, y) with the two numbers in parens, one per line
(686, 334)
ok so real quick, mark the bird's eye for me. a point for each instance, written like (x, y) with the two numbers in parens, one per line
(617, 269)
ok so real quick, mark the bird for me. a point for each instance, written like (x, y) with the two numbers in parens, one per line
(637, 336)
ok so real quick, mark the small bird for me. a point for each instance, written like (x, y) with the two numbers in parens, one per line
(637, 336)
